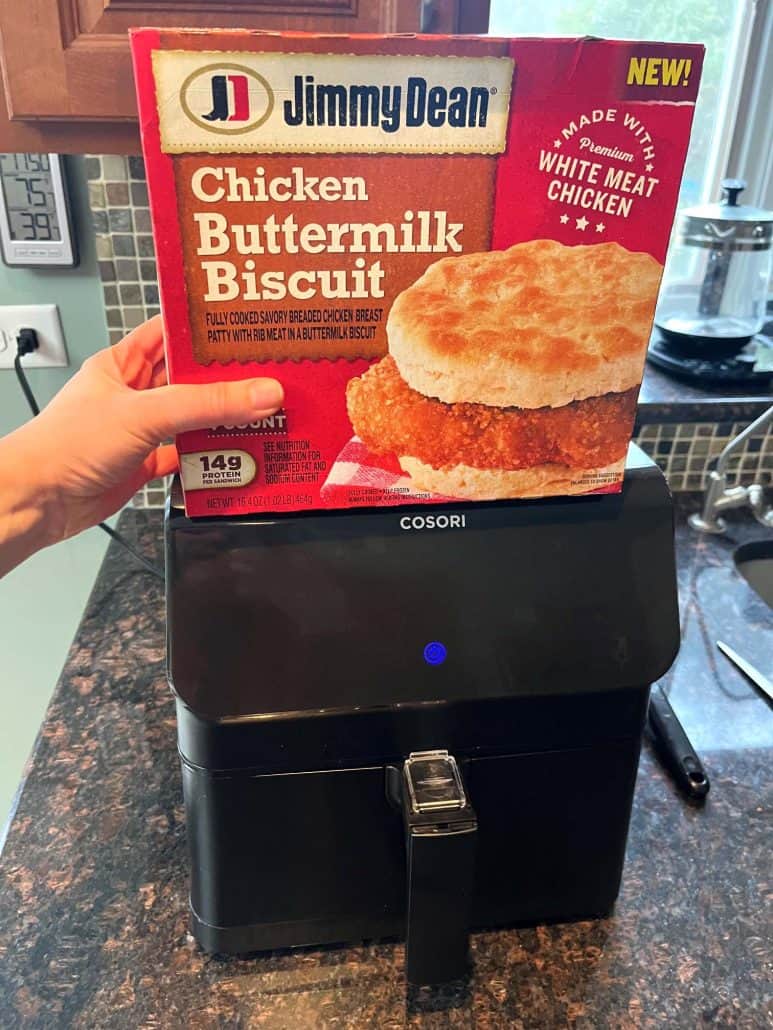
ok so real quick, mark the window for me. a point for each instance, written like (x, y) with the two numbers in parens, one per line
(723, 27)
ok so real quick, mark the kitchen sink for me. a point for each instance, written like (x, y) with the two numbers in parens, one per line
(755, 563)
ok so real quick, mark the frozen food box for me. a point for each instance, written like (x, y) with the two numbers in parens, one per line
(447, 249)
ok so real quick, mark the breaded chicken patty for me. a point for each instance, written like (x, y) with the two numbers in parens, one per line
(390, 417)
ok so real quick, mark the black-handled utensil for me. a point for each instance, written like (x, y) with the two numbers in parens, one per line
(675, 748)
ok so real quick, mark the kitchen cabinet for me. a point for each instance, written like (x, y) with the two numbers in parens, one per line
(67, 70)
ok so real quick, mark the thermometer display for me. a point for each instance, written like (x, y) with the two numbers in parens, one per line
(34, 223)
(28, 189)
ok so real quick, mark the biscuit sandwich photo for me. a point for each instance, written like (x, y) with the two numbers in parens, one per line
(512, 373)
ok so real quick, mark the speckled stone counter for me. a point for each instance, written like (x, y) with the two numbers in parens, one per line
(663, 399)
(93, 920)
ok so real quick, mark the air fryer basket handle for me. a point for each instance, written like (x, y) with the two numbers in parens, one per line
(441, 831)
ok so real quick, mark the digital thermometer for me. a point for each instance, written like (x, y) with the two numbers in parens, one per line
(35, 225)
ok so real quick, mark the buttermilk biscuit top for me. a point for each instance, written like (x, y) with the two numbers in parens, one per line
(538, 325)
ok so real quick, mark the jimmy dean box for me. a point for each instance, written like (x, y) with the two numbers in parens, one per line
(448, 251)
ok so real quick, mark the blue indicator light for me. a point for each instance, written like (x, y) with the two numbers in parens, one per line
(435, 653)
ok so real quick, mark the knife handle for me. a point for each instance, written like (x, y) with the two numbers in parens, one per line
(675, 747)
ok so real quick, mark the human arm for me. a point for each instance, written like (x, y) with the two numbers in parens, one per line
(99, 440)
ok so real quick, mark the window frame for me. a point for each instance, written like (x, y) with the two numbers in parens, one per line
(750, 152)
(745, 119)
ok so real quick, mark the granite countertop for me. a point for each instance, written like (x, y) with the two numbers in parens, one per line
(666, 398)
(663, 398)
(93, 906)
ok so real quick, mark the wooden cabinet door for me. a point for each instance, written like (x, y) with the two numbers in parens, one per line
(67, 69)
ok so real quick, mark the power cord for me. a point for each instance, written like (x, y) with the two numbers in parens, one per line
(26, 343)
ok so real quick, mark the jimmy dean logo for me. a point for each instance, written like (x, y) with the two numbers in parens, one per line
(331, 103)
(384, 106)
(226, 98)
(230, 99)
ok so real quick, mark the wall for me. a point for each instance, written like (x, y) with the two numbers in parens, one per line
(78, 293)
(41, 602)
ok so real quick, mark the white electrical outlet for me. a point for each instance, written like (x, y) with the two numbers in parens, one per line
(44, 319)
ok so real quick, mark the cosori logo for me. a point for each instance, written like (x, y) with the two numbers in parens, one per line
(433, 522)
(227, 98)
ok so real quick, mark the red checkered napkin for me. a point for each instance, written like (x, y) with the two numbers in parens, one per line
(360, 477)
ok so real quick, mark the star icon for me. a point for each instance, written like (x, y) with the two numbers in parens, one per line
(649, 167)
(564, 219)
(556, 143)
(600, 227)
(581, 223)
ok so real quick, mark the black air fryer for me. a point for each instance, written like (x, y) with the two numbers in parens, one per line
(415, 722)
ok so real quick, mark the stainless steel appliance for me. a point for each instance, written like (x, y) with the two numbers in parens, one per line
(715, 286)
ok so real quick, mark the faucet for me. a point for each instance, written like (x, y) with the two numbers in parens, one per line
(719, 496)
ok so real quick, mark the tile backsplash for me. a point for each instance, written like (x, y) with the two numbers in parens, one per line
(688, 451)
(118, 195)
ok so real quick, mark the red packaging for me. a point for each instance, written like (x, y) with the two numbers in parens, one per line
(447, 249)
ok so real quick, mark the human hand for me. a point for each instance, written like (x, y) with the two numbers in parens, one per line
(97, 442)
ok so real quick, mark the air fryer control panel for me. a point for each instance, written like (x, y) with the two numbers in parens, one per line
(329, 612)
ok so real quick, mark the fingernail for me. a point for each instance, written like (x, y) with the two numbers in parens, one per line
(266, 393)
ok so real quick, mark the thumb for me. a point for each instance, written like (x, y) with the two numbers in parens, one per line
(167, 410)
